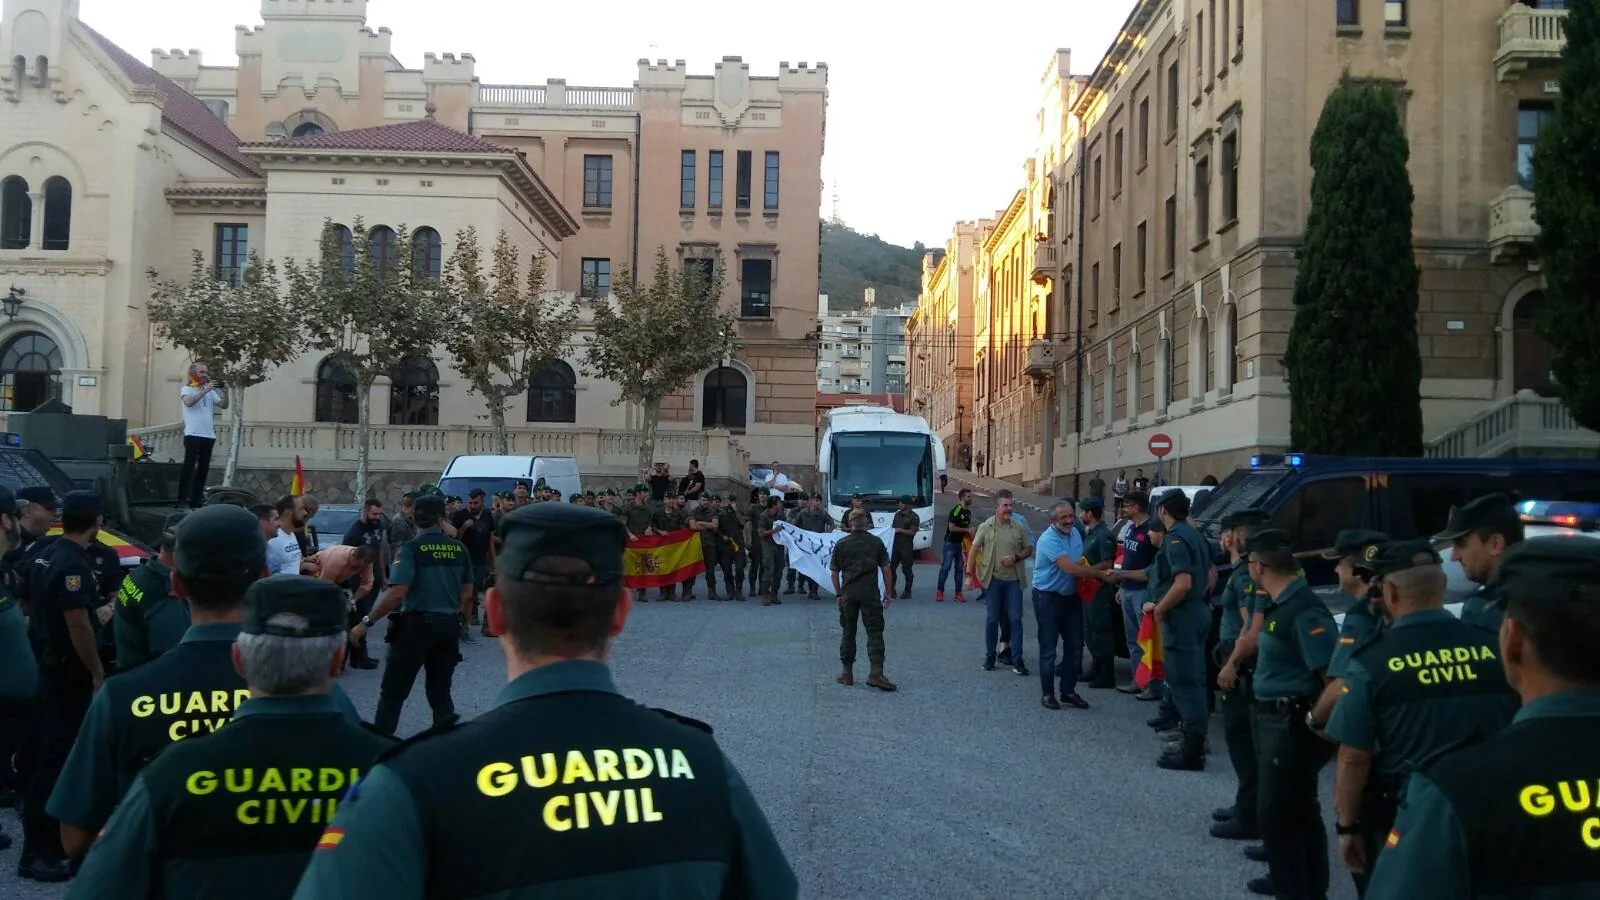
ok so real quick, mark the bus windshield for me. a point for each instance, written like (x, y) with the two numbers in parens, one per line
(882, 466)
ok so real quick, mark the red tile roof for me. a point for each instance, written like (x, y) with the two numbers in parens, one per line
(421, 136)
(179, 108)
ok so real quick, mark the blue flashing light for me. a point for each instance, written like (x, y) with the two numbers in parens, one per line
(1255, 462)
(13, 439)
(1295, 460)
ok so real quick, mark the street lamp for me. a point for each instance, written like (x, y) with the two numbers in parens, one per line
(12, 302)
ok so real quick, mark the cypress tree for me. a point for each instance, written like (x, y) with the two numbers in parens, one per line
(1566, 185)
(1354, 367)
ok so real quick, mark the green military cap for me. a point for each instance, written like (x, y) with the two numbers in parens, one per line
(1096, 505)
(221, 540)
(1547, 568)
(319, 607)
(452, 499)
(1357, 542)
(1485, 511)
(906, 499)
(548, 529)
(429, 505)
(802, 496)
(428, 489)
(575, 498)
(589, 493)
(640, 488)
(1397, 556)
(1245, 518)
(1268, 540)
(858, 496)
(411, 495)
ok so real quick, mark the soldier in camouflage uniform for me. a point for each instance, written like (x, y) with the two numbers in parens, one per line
(812, 516)
(669, 518)
(771, 554)
(636, 516)
(905, 525)
(753, 542)
(703, 519)
(731, 546)
(859, 558)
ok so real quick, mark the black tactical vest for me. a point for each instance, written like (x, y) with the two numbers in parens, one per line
(238, 812)
(561, 787)
(1529, 807)
(191, 689)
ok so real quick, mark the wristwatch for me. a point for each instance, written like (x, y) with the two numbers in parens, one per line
(1350, 830)
(367, 621)
(1311, 721)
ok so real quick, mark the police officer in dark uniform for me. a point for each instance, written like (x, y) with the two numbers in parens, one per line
(1352, 553)
(1428, 686)
(65, 596)
(565, 785)
(36, 510)
(1237, 822)
(904, 554)
(190, 690)
(1296, 642)
(148, 620)
(237, 813)
(1480, 534)
(1514, 816)
(432, 586)
(19, 672)
(859, 559)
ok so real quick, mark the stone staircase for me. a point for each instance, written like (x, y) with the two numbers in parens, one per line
(1525, 425)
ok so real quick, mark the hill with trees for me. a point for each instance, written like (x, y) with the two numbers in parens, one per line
(853, 262)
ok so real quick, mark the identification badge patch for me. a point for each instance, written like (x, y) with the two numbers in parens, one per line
(74, 582)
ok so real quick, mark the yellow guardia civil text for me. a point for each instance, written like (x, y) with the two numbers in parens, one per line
(1578, 798)
(275, 796)
(556, 775)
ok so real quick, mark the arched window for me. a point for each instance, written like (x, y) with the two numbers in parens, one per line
(414, 394)
(1530, 352)
(16, 214)
(308, 129)
(1133, 385)
(427, 254)
(1230, 349)
(30, 372)
(553, 394)
(1199, 358)
(723, 399)
(383, 241)
(57, 213)
(337, 392)
(347, 250)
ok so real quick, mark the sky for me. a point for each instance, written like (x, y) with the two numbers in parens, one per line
(931, 112)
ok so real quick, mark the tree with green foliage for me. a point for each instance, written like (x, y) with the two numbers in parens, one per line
(1566, 187)
(1354, 367)
(502, 328)
(651, 339)
(242, 328)
(373, 310)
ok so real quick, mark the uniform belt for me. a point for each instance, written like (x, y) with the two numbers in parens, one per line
(432, 616)
(1285, 705)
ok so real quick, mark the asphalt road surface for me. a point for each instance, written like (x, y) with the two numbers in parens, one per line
(957, 786)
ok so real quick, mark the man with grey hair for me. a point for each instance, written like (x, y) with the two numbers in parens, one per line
(201, 397)
(260, 824)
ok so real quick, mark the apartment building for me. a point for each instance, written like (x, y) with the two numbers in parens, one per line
(863, 351)
(1179, 218)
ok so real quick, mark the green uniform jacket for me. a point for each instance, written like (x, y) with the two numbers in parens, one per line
(636, 516)
(149, 620)
(1297, 640)
(191, 690)
(513, 828)
(767, 522)
(815, 520)
(1185, 552)
(1495, 820)
(435, 567)
(668, 520)
(1235, 596)
(228, 814)
(1361, 621)
(859, 558)
(19, 673)
(906, 518)
(1484, 609)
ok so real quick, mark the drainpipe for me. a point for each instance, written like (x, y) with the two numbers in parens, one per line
(1077, 276)
(638, 131)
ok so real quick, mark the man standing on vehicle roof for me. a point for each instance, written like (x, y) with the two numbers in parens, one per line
(200, 396)
(1480, 533)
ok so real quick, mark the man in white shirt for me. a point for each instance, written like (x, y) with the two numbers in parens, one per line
(778, 484)
(283, 550)
(201, 398)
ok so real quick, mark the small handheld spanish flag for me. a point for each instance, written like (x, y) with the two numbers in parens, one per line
(297, 484)
(139, 450)
(1087, 587)
(1150, 665)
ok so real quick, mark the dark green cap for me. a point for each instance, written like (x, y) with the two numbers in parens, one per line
(1095, 505)
(428, 489)
(219, 541)
(1245, 518)
(1268, 540)
(1397, 556)
(1357, 542)
(1548, 568)
(82, 503)
(640, 488)
(906, 499)
(318, 604)
(533, 532)
(1485, 511)
(575, 498)
(802, 496)
(1154, 523)
(429, 505)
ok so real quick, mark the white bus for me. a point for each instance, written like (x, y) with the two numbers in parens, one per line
(881, 455)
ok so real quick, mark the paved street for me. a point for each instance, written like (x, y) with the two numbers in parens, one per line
(958, 786)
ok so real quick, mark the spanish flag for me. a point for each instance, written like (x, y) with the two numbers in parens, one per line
(1087, 587)
(139, 450)
(659, 560)
(297, 484)
(330, 839)
(1150, 667)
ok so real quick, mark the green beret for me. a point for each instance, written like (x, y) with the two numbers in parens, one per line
(906, 499)
(589, 493)
(1483, 512)
(320, 604)
(1398, 556)
(219, 541)
(1547, 568)
(1357, 542)
(1268, 540)
(640, 488)
(429, 505)
(1245, 518)
(533, 532)
(428, 489)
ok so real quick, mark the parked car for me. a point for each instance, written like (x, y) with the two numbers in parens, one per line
(331, 522)
(501, 473)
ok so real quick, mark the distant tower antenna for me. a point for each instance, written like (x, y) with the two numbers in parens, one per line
(835, 219)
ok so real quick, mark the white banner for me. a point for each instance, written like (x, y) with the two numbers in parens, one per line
(811, 552)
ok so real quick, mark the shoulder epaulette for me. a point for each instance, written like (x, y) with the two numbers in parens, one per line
(400, 745)
(685, 720)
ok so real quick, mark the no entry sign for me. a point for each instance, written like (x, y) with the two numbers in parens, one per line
(1160, 445)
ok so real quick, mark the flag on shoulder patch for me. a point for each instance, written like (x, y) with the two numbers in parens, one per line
(331, 838)
(1394, 839)
(1344, 640)
(1319, 629)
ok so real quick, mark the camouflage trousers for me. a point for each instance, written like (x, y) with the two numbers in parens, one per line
(870, 613)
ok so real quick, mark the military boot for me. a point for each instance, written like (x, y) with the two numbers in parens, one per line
(1187, 754)
(847, 676)
(1105, 674)
(905, 592)
(877, 679)
(790, 588)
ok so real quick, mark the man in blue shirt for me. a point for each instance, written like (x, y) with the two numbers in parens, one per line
(1056, 606)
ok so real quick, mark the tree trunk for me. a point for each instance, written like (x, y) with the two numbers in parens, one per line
(235, 436)
(495, 398)
(363, 439)
(647, 443)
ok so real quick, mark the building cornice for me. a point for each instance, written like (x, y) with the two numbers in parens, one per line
(1111, 65)
(997, 234)
(20, 262)
(216, 198)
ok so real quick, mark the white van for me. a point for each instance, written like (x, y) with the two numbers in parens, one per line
(501, 473)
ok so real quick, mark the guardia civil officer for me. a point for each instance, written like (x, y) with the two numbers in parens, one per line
(1099, 550)
(64, 594)
(19, 674)
(859, 559)
(1178, 597)
(433, 588)
(1427, 687)
(192, 689)
(1514, 816)
(1296, 641)
(566, 788)
(148, 619)
(237, 813)
(1238, 821)
(1352, 552)
(1480, 534)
